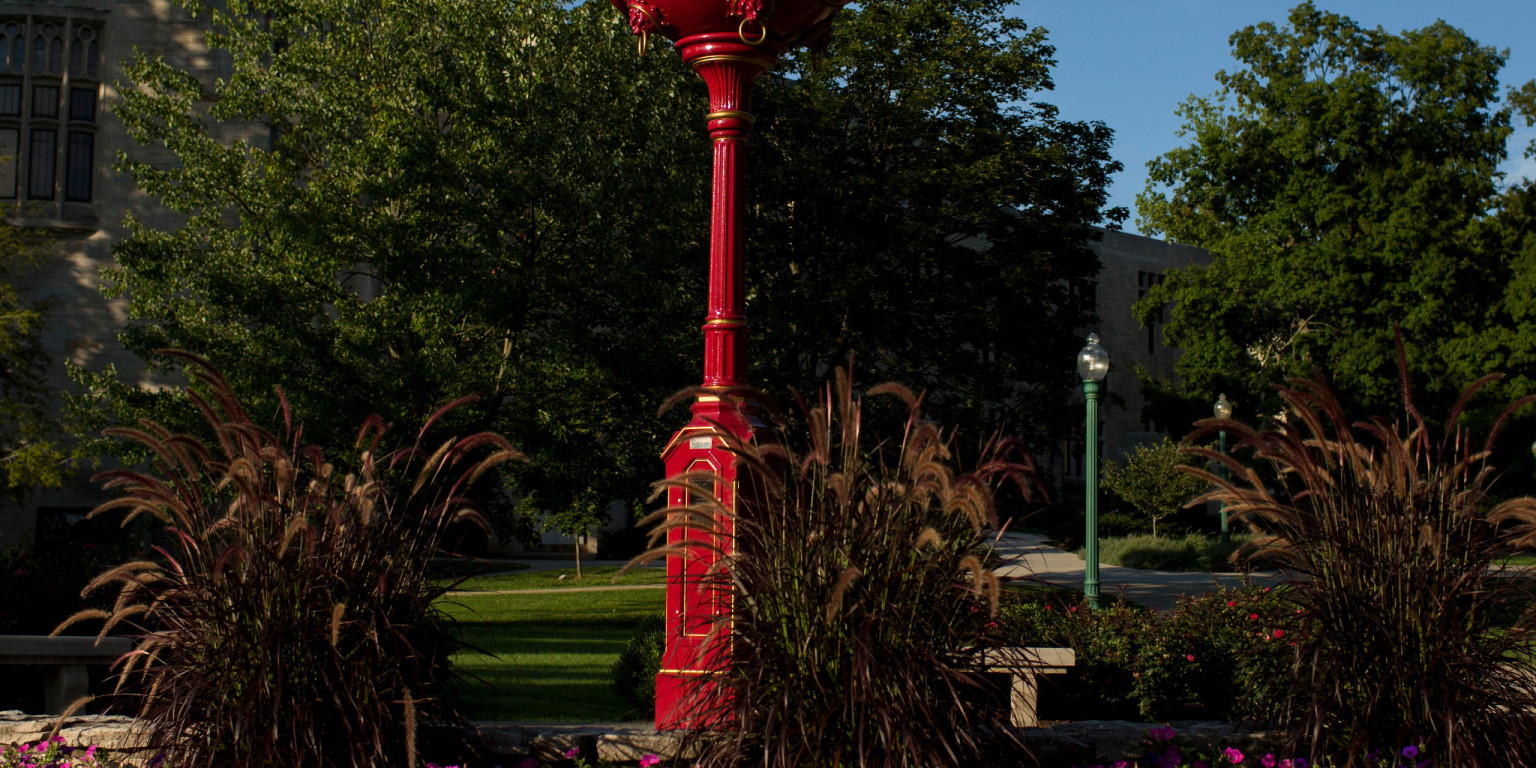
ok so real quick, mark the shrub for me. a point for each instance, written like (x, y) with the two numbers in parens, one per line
(1390, 530)
(1191, 552)
(1102, 683)
(1214, 656)
(289, 621)
(1151, 481)
(863, 595)
(634, 673)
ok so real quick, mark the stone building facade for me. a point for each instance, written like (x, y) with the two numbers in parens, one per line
(61, 65)
(1129, 265)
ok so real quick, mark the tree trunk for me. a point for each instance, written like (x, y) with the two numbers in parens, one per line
(578, 555)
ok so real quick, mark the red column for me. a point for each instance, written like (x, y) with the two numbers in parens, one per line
(698, 643)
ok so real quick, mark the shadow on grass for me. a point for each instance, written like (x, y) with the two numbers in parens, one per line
(552, 653)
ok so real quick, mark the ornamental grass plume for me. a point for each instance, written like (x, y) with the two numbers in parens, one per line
(862, 590)
(288, 619)
(1394, 545)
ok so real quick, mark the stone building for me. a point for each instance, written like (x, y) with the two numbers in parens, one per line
(61, 64)
(1129, 265)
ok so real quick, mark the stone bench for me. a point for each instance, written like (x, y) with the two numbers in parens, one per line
(1024, 664)
(65, 659)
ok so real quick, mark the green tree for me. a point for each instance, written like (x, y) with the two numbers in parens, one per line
(1338, 178)
(31, 457)
(1152, 482)
(922, 208)
(392, 204)
(395, 203)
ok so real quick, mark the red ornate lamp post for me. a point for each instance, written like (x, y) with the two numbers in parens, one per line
(729, 43)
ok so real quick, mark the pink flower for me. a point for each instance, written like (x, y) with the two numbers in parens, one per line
(572, 752)
(1253, 617)
(1233, 756)
(1161, 733)
(90, 752)
(650, 760)
(1268, 761)
(1189, 657)
(1231, 603)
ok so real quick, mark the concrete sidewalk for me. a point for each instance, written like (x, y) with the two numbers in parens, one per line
(1030, 557)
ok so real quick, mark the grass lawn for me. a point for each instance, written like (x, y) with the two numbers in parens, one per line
(600, 576)
(554, 652)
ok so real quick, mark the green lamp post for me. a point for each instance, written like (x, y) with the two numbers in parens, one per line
(1223, 410)
(1092, 365)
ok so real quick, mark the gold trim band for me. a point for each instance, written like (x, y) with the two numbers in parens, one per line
(726, 321)
(730, 138)
(731, 113)
(728, 57)
(689, 671)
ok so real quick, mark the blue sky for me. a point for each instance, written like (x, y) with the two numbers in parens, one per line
(1129, 64)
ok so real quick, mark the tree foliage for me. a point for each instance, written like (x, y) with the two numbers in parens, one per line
(1342, 178)
(392, 203)
(923, 208)
(1152, 482)
(31, 457)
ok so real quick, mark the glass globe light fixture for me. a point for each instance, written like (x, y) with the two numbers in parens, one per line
(1223, 409)
(1093, 361)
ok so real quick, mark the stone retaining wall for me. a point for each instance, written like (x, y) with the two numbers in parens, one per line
(1060, 744)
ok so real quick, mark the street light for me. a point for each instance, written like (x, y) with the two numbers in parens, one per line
(1092, 365)
(1223, 410)
(730, 44)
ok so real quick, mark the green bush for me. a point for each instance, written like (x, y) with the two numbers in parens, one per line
(289, 619)
(634, 673)
(1391, 530)
(863, 596)
(1191, 552)
(1219, 656)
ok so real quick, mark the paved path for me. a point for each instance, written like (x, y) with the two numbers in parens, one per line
(1031, 557)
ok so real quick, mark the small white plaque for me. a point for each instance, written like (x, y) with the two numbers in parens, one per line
(700, 443)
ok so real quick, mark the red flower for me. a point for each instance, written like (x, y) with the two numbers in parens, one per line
(1279, 633)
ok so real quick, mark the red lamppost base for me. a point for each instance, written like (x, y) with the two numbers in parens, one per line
(690, 688)
(691, 691)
